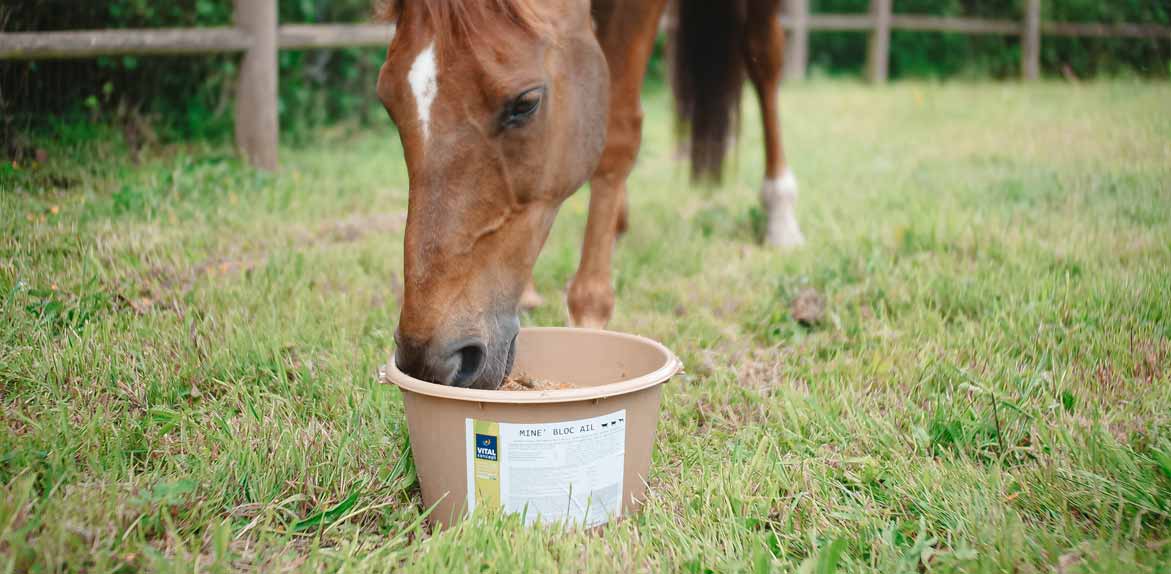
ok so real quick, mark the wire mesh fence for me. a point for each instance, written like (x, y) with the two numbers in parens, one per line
(177, 96)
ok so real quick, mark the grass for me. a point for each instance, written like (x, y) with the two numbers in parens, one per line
(188, 350)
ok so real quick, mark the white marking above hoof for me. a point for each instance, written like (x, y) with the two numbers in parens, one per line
(778, 196)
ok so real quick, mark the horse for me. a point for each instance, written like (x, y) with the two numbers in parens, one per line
(506, 107)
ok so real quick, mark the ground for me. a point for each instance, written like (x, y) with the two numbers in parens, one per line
(188, 349)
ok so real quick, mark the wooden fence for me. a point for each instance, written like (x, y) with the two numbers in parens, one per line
(881, 20)
(258, 36)
(255, 34)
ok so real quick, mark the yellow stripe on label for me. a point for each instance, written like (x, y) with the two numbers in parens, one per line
(486, 455)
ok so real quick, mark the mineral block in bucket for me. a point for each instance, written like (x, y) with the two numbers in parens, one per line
(579, 455)
(561, 472)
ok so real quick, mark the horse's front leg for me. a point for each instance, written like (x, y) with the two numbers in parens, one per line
(591, 294)
(626, 32)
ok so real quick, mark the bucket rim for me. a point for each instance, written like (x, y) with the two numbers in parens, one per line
(671, 367)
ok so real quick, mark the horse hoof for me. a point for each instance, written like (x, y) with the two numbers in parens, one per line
(588, 323)
(590, 303)
(785, 237)
(530, 299)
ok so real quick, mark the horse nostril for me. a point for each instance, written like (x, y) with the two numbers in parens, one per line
(471, 359)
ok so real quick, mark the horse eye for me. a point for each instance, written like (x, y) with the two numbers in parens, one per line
(523, 107)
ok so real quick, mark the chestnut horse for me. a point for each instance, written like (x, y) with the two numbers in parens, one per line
(506, 107)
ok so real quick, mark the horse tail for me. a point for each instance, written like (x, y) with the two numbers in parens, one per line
(707, 73)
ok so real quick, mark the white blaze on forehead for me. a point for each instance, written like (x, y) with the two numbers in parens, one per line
(424, 80)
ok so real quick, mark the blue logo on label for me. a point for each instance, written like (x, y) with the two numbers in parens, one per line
(485, 447)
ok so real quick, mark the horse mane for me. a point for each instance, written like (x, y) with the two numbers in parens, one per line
(463, 18)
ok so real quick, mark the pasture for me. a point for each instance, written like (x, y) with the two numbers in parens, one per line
(188, 349)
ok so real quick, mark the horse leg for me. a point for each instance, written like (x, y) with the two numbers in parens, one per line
(763, 58)
(626, 34)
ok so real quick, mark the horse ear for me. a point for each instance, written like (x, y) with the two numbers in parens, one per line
(387, 10)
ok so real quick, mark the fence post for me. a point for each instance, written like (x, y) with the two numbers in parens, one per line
(797, 46)
(878, 55)
(1031, 41)
(256, 94)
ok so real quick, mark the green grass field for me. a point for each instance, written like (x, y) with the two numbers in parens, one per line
(188, 350)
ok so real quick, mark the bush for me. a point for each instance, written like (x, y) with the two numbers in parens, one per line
(182, 96)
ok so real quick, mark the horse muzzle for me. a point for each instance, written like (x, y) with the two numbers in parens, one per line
(478, 361)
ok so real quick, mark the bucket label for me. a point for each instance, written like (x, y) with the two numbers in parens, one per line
(484, 469)
(569, 471)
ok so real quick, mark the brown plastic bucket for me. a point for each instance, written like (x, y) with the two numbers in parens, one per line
(577, 455)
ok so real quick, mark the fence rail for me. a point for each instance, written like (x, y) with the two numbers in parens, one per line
(920, 23)
(162, 41)
(881, 20)
(258, 37)
(92, 43)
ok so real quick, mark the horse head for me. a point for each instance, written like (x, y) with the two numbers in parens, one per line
(501, 108)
